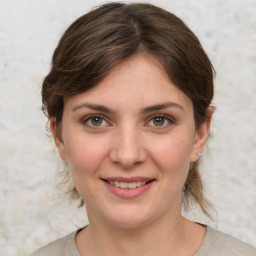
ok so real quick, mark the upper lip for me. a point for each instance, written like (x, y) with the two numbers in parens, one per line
(127, 179)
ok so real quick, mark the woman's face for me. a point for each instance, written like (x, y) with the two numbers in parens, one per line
(129, 142)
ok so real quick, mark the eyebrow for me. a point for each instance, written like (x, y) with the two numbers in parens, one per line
(152, 108)
(94, 107)
(162, 106)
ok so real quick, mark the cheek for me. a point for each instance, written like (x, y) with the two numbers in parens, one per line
(172, 159)
(172, 156)
(173, 148)
(85, 155)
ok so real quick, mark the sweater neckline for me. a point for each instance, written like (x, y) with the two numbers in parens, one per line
(201, 250)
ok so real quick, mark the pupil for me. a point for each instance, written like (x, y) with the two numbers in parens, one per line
(97, 121)
(158, 121)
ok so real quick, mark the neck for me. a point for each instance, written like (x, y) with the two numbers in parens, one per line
(166, 237)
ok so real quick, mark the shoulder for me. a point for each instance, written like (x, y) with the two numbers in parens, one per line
(218, 243)
(65, 246)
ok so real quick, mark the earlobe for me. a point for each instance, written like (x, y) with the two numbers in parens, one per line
(201, 137)
(58, 140)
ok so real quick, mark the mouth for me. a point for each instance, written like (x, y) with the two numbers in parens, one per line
(128, 188)
(129, 185)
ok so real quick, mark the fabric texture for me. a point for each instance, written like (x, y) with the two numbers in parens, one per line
(215, 243)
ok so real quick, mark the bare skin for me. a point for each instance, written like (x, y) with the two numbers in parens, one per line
(135, 125)
(182, 239)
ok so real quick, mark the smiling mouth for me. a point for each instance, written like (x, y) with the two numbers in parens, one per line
(128, 185)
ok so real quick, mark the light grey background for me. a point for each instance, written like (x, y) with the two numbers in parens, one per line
(29, 31)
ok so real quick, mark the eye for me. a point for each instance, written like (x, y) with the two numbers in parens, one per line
(95, 121)
(160, 121)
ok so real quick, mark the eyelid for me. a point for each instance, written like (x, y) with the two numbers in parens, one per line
(170, 119)
(88, 117)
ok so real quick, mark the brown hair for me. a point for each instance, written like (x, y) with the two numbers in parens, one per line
(97, 41)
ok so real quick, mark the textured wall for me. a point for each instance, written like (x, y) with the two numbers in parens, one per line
(29, 31)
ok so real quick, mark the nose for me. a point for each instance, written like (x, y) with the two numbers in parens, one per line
(127, 148)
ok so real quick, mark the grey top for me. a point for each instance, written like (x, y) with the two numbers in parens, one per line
(215, 243)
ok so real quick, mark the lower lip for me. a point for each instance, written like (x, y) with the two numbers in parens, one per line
(129, 193)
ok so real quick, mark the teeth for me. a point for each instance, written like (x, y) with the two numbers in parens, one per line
(123, 185)
(130, 185)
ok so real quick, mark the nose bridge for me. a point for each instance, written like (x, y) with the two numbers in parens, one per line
(127, 148)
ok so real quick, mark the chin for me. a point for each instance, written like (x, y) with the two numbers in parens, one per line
(129, 219)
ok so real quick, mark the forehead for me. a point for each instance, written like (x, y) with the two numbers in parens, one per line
(136, 81)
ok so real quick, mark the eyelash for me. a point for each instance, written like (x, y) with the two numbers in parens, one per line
(166, 118)
(151, 119)
(90, 118)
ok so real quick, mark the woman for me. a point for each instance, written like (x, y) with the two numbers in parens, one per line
(129, 104)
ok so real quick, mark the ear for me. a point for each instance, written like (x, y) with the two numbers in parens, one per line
(201, 136)
(58, 140)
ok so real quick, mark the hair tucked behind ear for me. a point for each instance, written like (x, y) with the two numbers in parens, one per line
(96, 42)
